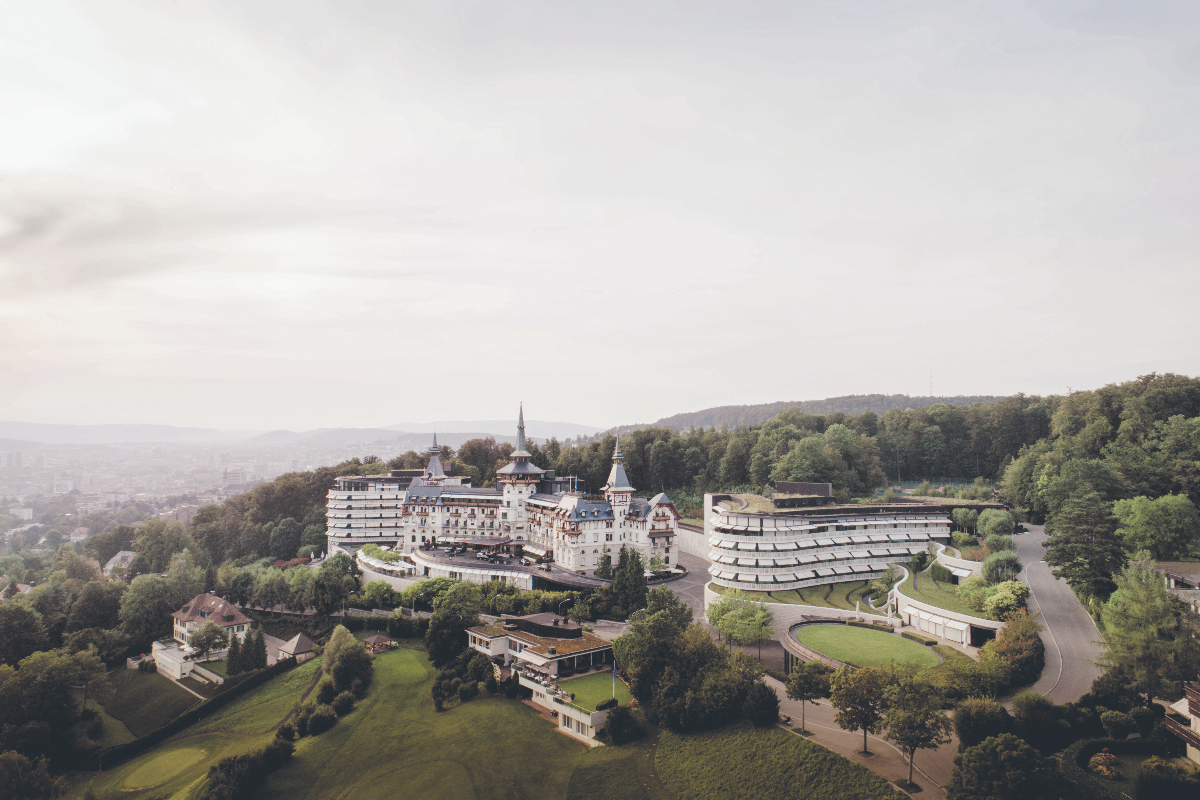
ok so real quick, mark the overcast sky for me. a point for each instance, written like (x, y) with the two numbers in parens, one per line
(291, 215)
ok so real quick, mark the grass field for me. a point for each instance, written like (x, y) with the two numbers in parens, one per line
(594, 689)
(114, 731)
(864, 647)
(145, 701)
(742, 763)
(263, 708)
(942, 595)
(159, 770)
(396, 745)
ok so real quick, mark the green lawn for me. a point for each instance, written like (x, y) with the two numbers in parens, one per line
(217, 667)
(396, 745)
(114, 731)
(743, 763)
(597, 688)
(831, 595)
(173, 769)
(942, 595)
(262, 709)
(865, 647)
(145, 701)
(627, 772)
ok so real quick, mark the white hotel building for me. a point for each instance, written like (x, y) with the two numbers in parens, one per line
(529, 507)
(756, 547)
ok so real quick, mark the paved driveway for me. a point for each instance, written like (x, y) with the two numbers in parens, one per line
(1071, 637)
(690, 587)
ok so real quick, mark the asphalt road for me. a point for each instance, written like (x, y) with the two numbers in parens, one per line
(1071, 637)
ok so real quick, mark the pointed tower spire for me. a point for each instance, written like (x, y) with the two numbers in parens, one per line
(521, 429)
(617, 457)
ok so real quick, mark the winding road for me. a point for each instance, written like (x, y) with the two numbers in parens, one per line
(1073, 643)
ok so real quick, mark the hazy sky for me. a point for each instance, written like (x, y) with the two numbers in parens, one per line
(290, 215)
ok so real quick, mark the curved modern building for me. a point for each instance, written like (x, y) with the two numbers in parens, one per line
(768, 545)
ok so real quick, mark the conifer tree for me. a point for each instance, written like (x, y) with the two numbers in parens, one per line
(233, 661)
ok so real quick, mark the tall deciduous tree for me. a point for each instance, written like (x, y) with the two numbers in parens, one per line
(207, 638)
(806, 683)
(21, 632)
(858, 696)
(1168, 527)
(914, 718)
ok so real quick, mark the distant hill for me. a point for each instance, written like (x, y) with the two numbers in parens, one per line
(733, 416)
(541, 429)
(49, 433)
(17, 445)
(405, 440)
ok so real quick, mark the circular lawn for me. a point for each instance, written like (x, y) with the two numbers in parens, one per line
(865, 647)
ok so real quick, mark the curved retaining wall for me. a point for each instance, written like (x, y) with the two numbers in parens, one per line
(904, 602)
(787, 615)
(399, 584)
(950, 562)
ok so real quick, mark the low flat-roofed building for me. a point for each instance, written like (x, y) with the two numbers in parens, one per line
(544, 643)
(541, 648)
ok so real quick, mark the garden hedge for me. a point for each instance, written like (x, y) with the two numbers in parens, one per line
(918, 638)
(241, 685)
(871, 625)
(941, 574)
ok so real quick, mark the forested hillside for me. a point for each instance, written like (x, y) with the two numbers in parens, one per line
(853, 404)
(1117, 472)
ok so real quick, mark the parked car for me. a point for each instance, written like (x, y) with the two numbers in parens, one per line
(525, 562)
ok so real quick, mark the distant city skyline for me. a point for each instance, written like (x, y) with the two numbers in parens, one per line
(265, 215)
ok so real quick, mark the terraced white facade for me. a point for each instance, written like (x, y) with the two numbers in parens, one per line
(814, 546)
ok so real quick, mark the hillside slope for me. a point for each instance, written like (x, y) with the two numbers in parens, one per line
(849, 404)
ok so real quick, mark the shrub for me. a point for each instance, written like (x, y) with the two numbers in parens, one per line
(353, 669)
(301, 719)
(621, 726)
(287, 732)
(941, 574)
(323, 718)
(979, 718)
(491, 685)
(995, 522)
(611, 702)
(963, 540)
(761, 705)
(871, 625)
(326, 692)
(1000, 567)
(996, 543)
(916, 637)
(1144, 718)
(1164, 780)
(481, 688)
(1117, 724)
(438, 703)
(1105, 763)
(343, 704)
(466, 691)
(1035, 720)
(239, 776)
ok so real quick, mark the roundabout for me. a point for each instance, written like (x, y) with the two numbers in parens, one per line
(864, 647)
